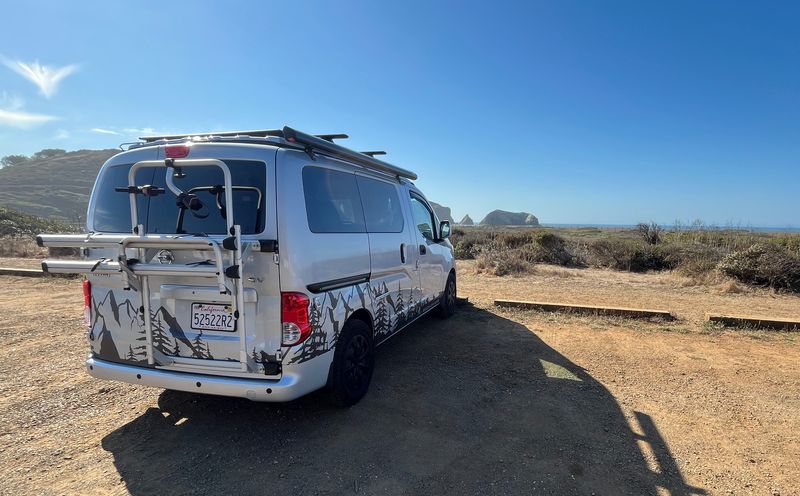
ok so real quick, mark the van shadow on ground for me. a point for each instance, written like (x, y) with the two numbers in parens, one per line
(474, 405)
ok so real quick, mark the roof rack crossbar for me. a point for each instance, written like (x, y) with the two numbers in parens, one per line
(331, 137)
(314, 142)
(258, 133)
(373, 153)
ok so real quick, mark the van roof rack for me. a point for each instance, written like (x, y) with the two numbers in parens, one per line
(260, 133)
(311, 142)
(315, 143)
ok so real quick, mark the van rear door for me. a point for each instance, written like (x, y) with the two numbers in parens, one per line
(193, 324)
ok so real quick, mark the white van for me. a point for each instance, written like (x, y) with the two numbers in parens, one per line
(260, 264)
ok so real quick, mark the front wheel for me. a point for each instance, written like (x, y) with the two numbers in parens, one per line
(353, 363)
(447, 302)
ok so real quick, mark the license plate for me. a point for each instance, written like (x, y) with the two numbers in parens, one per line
(209, 317)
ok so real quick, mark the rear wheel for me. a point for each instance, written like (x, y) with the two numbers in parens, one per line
(447, 302)
(353, 363)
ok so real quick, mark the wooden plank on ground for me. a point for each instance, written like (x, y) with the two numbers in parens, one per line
(15, 271)
(638, 313)
(755, 322)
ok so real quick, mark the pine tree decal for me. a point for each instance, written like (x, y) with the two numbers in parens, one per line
(348, 310)
(316, 342)
(130, 356)
(382, 322)
(201, 347)
(161, 341)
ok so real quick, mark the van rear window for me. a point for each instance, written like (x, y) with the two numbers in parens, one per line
(162, 214)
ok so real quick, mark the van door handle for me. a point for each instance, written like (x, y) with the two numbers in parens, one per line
(402, 253)
(422, 250)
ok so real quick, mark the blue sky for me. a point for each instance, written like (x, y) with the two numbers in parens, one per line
(578, 111)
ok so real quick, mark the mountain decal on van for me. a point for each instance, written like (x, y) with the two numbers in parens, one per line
(391, 312)
(118, 334)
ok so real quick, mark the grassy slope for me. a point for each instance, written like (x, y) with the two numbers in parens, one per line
(56, 188)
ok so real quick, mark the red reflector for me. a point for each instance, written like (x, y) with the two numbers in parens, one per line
(176, 151)
(87, 293)
(87, 303)
(294, 310)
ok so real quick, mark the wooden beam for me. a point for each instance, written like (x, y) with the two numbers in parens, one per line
(636, 313)
(755, 322)
(14, 271)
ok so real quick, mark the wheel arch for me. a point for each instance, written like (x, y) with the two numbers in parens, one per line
(363, 315)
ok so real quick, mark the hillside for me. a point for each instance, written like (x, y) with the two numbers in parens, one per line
(503, 218)
(54, 186)
(14, 223)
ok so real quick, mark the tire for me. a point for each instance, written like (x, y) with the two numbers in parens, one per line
(353, 363)
(447, 302)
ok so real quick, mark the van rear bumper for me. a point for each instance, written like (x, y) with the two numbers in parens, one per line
(288, 387)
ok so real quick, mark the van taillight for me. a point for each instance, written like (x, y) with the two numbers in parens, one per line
(294, 318)
(176, 151)
(87, 302)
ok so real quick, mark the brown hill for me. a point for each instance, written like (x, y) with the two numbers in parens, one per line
(54, 185)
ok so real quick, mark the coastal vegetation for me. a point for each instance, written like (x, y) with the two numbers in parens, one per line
(701, 253)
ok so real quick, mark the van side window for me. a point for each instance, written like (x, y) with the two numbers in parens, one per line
(381, 203)
(423, 218)
(333, 204)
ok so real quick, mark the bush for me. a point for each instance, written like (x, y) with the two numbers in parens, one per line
(693, 260)
(764, 264)
(625, 254)
(502, 262)
(650, 233)
(549, 248)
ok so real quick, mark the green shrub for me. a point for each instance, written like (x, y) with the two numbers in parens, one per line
(764, 264)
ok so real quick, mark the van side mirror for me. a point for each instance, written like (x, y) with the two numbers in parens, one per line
(444, 229)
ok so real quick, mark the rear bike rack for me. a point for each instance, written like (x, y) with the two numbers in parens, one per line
(135, 272)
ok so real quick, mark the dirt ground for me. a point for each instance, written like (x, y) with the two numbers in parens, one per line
(487, 402)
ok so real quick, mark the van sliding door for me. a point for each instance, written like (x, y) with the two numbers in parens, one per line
(393, 278)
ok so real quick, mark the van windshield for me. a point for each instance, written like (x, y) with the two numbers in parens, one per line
(162, 213)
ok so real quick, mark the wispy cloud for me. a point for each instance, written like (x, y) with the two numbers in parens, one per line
(133, 132)
(23, 120)
(104, 131)
(143, 131)
(11, 102)
(47, 78)
(61, 134)
(13, 115)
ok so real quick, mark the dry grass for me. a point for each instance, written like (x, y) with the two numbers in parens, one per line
(701, 255)
(658, 290)
(20, 247)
